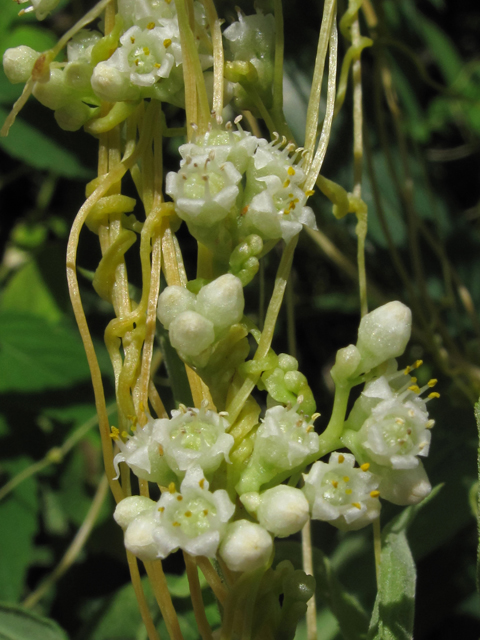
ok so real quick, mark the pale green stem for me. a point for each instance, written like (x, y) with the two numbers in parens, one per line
(273, 310)
(377, 547)
(358, 165)
(55, 455)
(278, 64)
(321, 151)
(75, 547)
(307, 557)
(196, 598)
(316, 90)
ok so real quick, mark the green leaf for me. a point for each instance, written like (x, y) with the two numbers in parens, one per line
(18, 526)
(33, 36)
(17, 623)
(393, 613)
(28, 144)
(442, 48)
(27, 292)
(35, 355)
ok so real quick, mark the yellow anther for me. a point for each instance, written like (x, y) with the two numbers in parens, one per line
(179, 498)
(341, 458)
(205, 512)
(430, 424)
(286, 183)
(413, 380)
(115, 433)
(201, 483)
(334, 484)
(161, 509)
(157, 65)
(374, 494)
(399, 420)
(188, 514)
(171, 487)
(415, 388)
(290, 195)
(431, 383)
(309, 193)
(176, 524)
(160, 449)
(357, 505)
(291, 171)
(348, 491)
(134, 428)
(151, 25)
(417, 364)
(146, 51)
(296, 200)
(346, 479)
(407, 370)
(434, 394)
(132, 39)
(124, 435)
(137, 62)
(167, 42)
(365, 466)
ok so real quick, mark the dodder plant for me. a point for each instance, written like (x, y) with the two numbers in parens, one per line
(245, 464)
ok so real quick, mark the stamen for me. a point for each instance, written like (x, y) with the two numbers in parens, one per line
(348, 491)
(179, 498)
(374, 494)
(341, 458)
(201, 483)
(357, 505)
(431, 383)
(346, 479)
(432, 395)
(115, 433)
(171, 487)
(151, 25)
(167, 42)
(365, 466)
(334, 484)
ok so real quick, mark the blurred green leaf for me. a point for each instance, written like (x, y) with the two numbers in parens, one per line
(477, 418)
(17, 623)
(442, 48)
(27, 292)
(36, 37)
(30, 145)
(18, 526)
(35, 355)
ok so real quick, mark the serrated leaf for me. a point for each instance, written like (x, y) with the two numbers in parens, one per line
(394, 609)
(17, 623)
(35, 355)
(18, 526)
(30, 145)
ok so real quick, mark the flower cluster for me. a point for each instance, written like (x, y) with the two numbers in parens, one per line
(232, 185)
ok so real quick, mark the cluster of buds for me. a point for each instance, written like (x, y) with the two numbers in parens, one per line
(196, 322)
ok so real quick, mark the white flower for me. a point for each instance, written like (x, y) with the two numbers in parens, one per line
(139, 535)
(41, 7)
(282, 510)
(142, 454)
(390, 424)
(143, 58)
(275, 202)
(194, 519)
(342, 494)
(383, 334)
(143, 12)
(246, 546)
(193, 437)
(204, 189)
(283, 441)
(191, 334)
(173, 301)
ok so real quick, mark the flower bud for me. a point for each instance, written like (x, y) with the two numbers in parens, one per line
(222, 301)
(129, 508)
(112, 85)
(404, 486)
(173, 301)
(282, 510)
(190, 333)
(383, 334)
(246, 546)
(139, 538)
(18, 63)
(73, 116)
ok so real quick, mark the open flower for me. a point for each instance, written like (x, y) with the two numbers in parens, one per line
(342, 494)
(194, 519)
(283, 441)
(193, 437)
(389, 427)
(142, 454)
